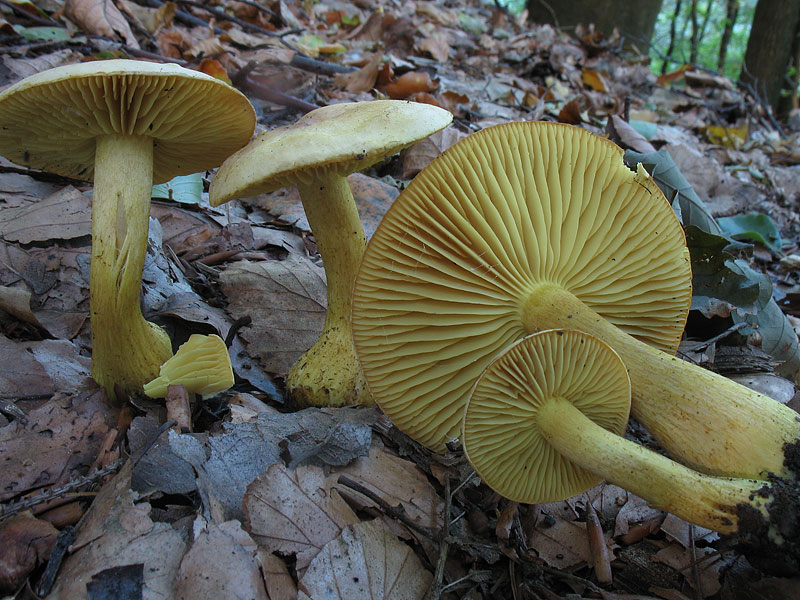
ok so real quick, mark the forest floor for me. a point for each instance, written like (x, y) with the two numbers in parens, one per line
(261, 499)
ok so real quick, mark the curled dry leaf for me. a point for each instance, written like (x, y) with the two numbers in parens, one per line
(295, 512)
(100, 17)
(366, 561)
(410, 83)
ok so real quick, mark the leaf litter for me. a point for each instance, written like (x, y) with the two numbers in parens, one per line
(299, 500)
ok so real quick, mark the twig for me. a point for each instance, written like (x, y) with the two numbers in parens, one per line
(64, 540)
(35, 18)
(435, 590)
(318, 66)
(244, 82)
(184, 17)
(724, 334)
(264, 9)
(395, 512)
(221, 14)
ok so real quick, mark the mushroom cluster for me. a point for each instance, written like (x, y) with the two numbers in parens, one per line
(316, 154)
(125, 125)
(529, 226)
(545, 421)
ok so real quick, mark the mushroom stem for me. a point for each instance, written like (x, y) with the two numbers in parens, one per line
(127, 350)
(328, 374)
(712, 502)
(702, 419)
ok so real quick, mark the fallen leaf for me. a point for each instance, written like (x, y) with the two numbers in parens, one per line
(437, 45)
(25, 543)
(362, 80)
(398, 482)
(100, 17)
(286, 302)
(593, 79)
(54, 442)
(65, 215)
(366, 561)
(409, 83)
(118, 532)
(202, 575)
(295, 512)
(421, 154)
(212, 67)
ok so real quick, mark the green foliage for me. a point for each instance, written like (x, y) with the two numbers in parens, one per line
(708, 45)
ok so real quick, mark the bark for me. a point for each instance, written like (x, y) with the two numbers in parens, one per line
(731, 13)
(671, 47)
(769, 48)
(635, 20)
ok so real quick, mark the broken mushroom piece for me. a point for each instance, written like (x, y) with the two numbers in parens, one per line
(316, 154)
(124, 124)
(529, 226)
(545, 421)
(202, 365)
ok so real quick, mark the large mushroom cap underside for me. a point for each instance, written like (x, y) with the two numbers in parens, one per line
(50, 121)
(336, 139)
(445, 276)
(501, 437)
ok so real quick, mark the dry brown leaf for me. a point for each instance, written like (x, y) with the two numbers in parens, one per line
(397, 481)
(56, 441)
(65, 215)
(116, 532)
(25, 67)
(25, 543)
(366, 561)
(593, 79)
(286, 302)
(203, 576)
(362, 80)
(437, 45)
(410, 83)
(151, 19)
(420, 155)
(563, 545)
(280, 585)
(21, 376)
(295, 512)
(100, 17)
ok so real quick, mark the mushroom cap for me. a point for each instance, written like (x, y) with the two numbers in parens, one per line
(444, 278)
(50, 120)
(336, 139)
(501, 438)
(202, 365)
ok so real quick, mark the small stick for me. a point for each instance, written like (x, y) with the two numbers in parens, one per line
(35, 18)
(220, 14)
(244, 82)
(319, 67)
(396, 512)
(435, 590)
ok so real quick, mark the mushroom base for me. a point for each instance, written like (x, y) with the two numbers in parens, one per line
(328, 374)
(706, 421)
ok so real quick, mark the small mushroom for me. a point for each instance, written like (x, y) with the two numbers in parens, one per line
(545, 421)
(124, 124)
(202, 365)
(529, 226)
(316, 154)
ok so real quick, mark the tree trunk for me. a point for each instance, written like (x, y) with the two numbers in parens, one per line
(671, 48)
(635, 20)
(693, 48)
(731, 12)
(769, 48)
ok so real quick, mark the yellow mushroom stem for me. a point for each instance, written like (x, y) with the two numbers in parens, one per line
(328, 374)
(127, 350)
(712, 502)
(702, 419)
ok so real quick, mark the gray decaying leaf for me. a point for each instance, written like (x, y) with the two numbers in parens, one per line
(366, 561)
(221, 467)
